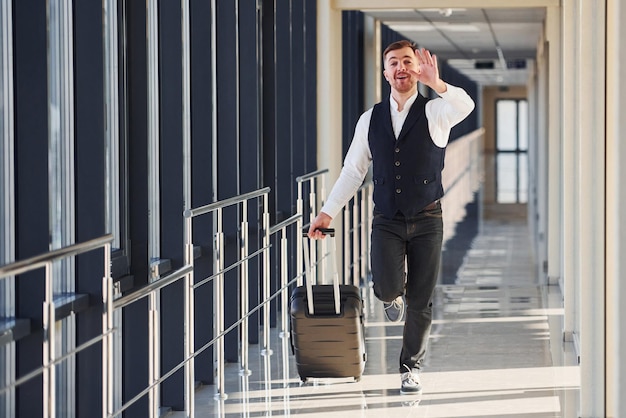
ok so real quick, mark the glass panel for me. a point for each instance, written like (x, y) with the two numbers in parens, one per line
(506, 178)
(523, 125)
(523, 178)
(506, 125)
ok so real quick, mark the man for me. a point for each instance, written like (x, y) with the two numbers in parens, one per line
(404, 137)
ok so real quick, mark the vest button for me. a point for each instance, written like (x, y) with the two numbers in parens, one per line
(397, 163)
(397, 149)
(398, 191)
(398, 177)
(425, 181)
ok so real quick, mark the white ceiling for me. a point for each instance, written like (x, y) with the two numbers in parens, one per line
(473, 37)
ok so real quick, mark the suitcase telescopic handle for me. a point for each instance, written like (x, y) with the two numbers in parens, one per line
(325, 231)
(307, 266)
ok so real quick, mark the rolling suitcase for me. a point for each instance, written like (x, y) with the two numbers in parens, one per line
(327, 332)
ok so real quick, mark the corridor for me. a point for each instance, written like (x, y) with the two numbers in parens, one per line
(496, 350)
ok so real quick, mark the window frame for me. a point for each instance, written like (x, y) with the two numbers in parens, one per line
(521, 153)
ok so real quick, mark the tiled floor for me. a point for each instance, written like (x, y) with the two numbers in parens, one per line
(496, 350)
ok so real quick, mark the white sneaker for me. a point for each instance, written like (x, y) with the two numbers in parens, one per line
(410, 382)
(394, 310)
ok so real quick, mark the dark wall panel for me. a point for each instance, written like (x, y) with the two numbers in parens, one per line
(135, 317)
(250, 139)
(387, 36)
(202, 176)
(310, 82)
(284, 152)
(353, 77)
(228, 163)
(171, 197)
(90, 217)
(31, 189)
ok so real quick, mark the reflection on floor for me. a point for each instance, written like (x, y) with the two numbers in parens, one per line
(496, 351)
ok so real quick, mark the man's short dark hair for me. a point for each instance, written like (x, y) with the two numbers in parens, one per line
(398, 45)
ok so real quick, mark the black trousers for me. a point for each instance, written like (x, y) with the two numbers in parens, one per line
(414, 243)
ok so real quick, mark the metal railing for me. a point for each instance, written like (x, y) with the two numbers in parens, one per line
(50, 358)
(357, 229)
(316, 182)
(218, 283)
(113, 303)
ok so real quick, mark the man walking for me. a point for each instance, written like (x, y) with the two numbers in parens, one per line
(404, 137)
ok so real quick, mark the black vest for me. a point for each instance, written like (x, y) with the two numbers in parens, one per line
(407, 171)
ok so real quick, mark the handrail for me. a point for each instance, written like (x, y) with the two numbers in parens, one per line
(218, 284)
(230, 268)
(157, 285)
(313, 178)
(39, 261)
(357, 225)
(311, 175)
(50, 359)
(190, 213)
(291, 220)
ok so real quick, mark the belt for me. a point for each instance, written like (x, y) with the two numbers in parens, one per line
(431, 206)
(400, 216)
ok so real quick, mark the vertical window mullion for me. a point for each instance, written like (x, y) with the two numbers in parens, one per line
(517, 151)
(153, 132)
(112, 126)
(114, 163)
(154, 199)
(7, 208)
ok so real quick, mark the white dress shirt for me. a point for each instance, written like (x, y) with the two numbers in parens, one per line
(442, 113)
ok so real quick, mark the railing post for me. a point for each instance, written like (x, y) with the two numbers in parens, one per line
(313, 246)
(243, 276)
(284, 271)
(49, 398)
(346, 240)
(355, 239)
(300, 211)
(154, 358)
(189, 323)
(218, 296)
(107, 341)
(364, 238)
(266, 351)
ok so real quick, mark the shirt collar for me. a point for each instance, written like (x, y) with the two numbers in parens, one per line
(407, 105)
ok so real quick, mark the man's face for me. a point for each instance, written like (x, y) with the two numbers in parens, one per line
(397, 66)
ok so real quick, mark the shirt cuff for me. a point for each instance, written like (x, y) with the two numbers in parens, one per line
(331, 209)
(450, 91)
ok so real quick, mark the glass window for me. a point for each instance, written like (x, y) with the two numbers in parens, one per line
(506, 125)
(115, 101)
(522, 128)
(511, 151)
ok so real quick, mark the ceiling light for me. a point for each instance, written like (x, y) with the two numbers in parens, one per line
(411, 27)
(441, 11)
(457, 28)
